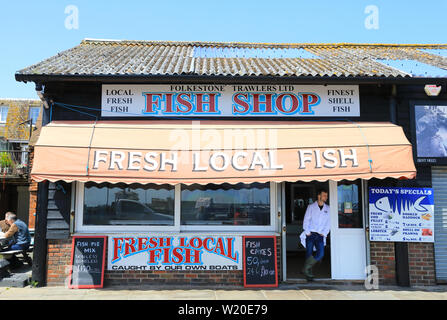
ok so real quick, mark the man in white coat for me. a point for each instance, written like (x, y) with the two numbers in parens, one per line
(316, 226)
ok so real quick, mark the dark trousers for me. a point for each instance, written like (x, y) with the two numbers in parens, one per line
(317, 241)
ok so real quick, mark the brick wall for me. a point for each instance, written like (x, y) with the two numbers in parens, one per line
(59, 255)
(383, 256)
(421, 261)
(208, 277)
(58, 261)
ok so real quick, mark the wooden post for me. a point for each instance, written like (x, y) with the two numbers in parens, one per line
(40, 236)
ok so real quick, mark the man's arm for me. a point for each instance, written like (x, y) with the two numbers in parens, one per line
(306, 221)
(12, 230)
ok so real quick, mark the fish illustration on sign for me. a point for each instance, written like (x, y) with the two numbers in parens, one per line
(383, 204)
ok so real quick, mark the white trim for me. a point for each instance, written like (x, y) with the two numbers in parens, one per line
(72, 207)
(177, 227)
(365, 208)
(333, 200)
(177, 206)
(283, 232)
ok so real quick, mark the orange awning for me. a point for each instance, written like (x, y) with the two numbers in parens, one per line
(210, 151)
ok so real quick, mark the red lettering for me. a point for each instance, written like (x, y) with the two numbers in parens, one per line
(230, 249)
(211, 102)
(280, 100)
(117, 247)
(195, 243)
(220, 247)
(177, 253)
(166, 255)
(129, 246)
(205, 244)
(182, 242)
(192, 253)
(164, 242)
(267, 102)
(184, 102)
(150, 102)
(153, 243)
(168, 102)
(141, 244)
(241, 103)
(153, 254)
(308, 104)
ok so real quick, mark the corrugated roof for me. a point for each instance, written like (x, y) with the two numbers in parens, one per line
(149, 58)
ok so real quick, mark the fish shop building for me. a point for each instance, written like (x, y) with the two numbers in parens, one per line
(178, 152)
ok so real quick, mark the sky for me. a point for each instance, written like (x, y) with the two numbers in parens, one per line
(32, 31)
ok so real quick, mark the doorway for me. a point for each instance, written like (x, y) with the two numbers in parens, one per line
(298, 196)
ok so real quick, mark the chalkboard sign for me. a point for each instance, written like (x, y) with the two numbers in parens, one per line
(260, 266)
(87, 262)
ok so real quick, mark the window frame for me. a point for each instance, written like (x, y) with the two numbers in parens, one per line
(360, 205)
(177, 227)
(29, 114)
(7, 111)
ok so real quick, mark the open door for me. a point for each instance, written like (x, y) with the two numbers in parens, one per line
(297, 197)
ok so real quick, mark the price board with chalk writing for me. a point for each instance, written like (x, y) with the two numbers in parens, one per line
(260, 261)
(87, 262)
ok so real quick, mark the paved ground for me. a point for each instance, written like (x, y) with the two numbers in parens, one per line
(285, 292)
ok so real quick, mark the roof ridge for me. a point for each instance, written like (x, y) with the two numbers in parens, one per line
(260, 44)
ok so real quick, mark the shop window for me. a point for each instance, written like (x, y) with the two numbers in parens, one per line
(120, 204)
(225, 204)
(350, 214)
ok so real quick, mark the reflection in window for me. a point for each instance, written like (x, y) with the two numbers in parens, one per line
(120, 204)
(349, 204)
(3, 113)
(34, 114)
(225, 204)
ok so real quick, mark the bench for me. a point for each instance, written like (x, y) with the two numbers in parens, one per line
(24, 253)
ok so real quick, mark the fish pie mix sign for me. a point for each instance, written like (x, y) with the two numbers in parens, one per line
(401, 214)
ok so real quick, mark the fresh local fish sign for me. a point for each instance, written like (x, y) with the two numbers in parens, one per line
(164, 253)
(401, 214)
(229, 101)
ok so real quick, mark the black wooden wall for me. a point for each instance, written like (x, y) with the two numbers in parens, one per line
(58, 206)
(374, 106)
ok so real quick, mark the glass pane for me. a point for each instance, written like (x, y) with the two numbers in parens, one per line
(120, 204)
(3, 113)
(225, 204)
(34, 114)
(350, 213)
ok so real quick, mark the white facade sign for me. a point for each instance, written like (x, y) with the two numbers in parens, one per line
(212, 100)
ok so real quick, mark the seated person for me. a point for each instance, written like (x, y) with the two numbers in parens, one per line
(4, 226)
(4, 242)
(18, 231)
(19, 236)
